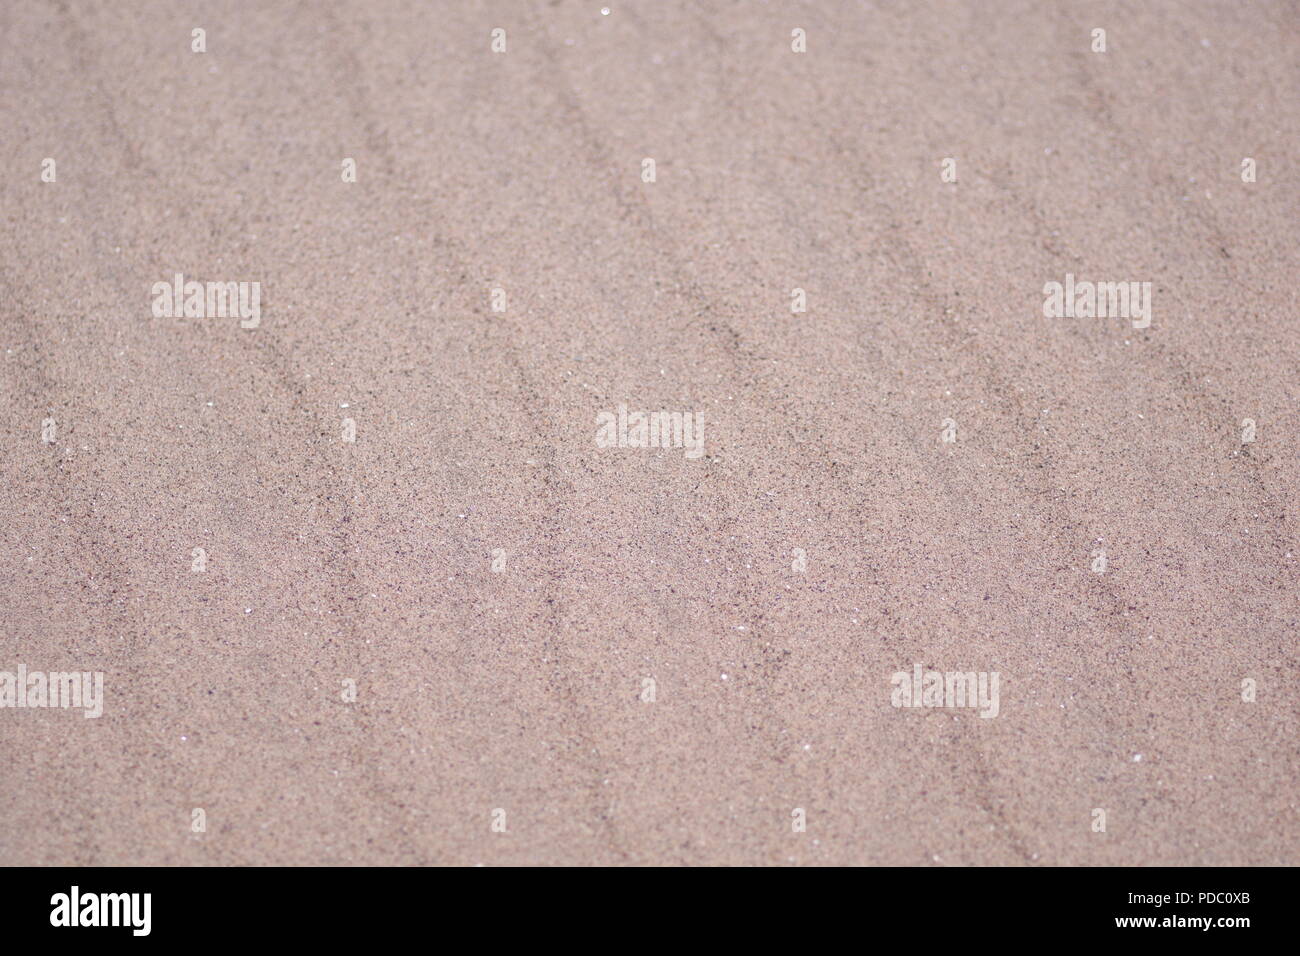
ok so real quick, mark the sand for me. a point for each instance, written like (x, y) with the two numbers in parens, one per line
(522, 689)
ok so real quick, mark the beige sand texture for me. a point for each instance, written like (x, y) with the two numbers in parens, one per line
(521, 689)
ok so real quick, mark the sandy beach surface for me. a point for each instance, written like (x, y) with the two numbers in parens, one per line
(564, 653)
